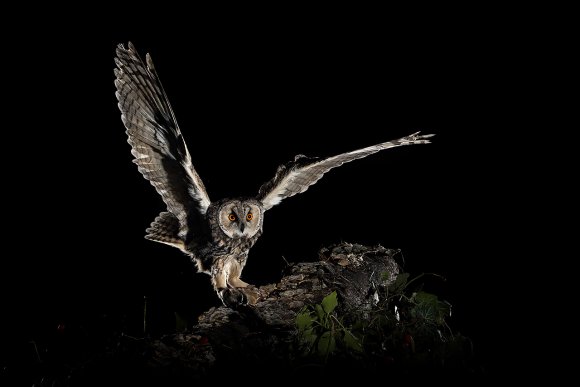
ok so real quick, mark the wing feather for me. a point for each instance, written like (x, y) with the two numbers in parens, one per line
(156, 142)
(295, 177)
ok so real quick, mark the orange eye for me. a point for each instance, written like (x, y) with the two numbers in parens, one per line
(249, 216)
(232, 217)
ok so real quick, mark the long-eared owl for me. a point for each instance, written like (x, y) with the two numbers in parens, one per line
(216, 235)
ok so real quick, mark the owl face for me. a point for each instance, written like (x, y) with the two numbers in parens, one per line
(240, 218)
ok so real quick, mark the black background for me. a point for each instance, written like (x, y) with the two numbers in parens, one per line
(249, 97)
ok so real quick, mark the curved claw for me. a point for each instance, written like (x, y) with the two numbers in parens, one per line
(235, 297)
(232, 297)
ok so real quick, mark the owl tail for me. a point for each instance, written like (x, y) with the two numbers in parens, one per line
(165, 229)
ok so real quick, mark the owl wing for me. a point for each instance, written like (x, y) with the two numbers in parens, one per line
(156, 141)
(296, 176)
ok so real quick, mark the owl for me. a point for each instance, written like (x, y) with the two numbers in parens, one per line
(217, 235)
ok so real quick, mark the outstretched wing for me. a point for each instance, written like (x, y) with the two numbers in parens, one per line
(296, 176)
(156, 141)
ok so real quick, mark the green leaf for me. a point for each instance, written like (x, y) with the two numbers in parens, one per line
(329, 302)
(326, 344)
(424, 297)
(429, 307)
(309, 336)
(443, 311)
(319, 312)
(303, 320)
(399, 283)
(352, 342)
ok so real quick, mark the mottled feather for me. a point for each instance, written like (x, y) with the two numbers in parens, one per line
(165, 229)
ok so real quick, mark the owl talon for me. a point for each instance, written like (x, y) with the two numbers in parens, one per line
(251, 293)
(232, 297)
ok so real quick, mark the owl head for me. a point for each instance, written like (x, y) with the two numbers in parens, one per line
(240, 218)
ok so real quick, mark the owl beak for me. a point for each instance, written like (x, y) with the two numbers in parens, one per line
(242, 227)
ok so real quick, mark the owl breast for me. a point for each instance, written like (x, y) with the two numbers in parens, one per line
(234, 227)
(223, 252)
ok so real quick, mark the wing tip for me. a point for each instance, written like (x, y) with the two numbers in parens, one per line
(418, 138)
(123, 52)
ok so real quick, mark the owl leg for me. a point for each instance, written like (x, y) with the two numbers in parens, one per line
(218, 279)
(248, 290)
(236, 282)
(250, 293)
(234, 277)
(231, 297)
